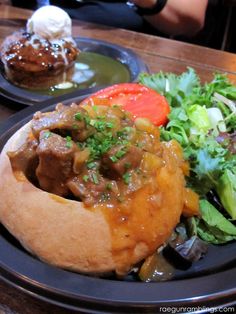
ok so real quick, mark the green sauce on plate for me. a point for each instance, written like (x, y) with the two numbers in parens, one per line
(91, 70)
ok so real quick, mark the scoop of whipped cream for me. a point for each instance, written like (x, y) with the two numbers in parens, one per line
(50, 22)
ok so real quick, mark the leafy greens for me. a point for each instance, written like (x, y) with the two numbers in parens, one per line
(222, 230)
(203, 120)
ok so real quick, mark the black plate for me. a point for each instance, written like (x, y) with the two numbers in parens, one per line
(208, 283)
(126, 56)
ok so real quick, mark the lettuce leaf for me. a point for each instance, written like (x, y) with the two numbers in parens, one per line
(174, 87)
(226, 188)
(213, 226)
(209, 151)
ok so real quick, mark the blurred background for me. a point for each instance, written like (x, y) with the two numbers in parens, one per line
(218, 32)
(220, 25)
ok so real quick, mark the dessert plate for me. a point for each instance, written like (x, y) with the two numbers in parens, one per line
(209, 283)
(123, 59)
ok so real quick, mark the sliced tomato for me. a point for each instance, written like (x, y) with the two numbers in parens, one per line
(139, 100)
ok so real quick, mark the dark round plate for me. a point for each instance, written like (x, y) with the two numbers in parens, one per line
(127, 57)
(209, 283)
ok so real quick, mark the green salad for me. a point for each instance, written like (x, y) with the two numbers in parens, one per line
(203, 121)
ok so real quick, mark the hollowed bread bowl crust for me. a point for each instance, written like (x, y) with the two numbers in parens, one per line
(59, 231)
(64, 233)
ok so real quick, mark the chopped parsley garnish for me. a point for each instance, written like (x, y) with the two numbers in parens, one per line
(47, 134)
(80, 145)
(109, 186)
(95, 178)
(84, 117)
(127, 165)
(109, 125)
(123, 133)
(118, 155)
(79, 116)
(69, 142)
(85, 178)
(92, 122)
(101, 125)
(126, 177)
(91, 165)
(98, 144)
(87, 120)
(103, 139)
(105, 196)
(114, 158)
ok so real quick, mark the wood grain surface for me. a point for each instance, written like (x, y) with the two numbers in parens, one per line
(158, 53)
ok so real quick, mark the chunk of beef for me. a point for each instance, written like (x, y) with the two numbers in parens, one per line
(62, 120)
(89, 187)
(55, 162)
(25, 159)
(119, 159)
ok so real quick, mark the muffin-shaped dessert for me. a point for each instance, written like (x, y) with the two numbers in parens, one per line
(44, 54)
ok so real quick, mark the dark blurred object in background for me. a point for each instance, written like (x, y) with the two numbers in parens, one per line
(218, 32)
(220, 23)
(229, 40)
(30, 4)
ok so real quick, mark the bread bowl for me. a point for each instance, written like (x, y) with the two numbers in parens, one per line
(94, 236)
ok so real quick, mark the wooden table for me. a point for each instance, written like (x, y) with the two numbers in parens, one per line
(158, 53)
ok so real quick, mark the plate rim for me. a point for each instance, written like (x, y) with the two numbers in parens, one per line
(30, 98)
